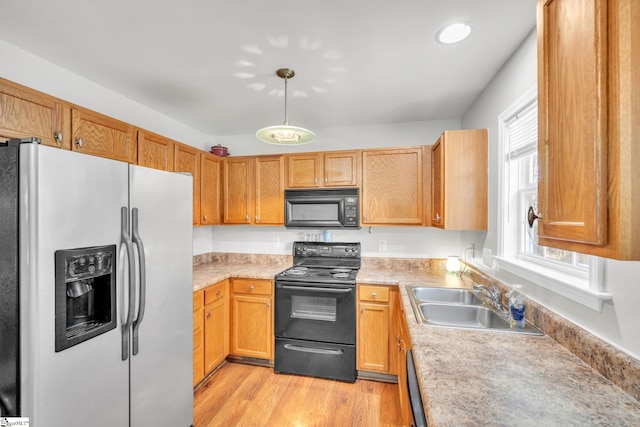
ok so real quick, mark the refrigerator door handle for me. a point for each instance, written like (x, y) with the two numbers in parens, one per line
(124, 234)
(143, 278)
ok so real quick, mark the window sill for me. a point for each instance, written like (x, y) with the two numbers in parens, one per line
(560, 283)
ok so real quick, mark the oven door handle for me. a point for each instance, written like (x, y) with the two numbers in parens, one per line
(313, 350)
(314, 289)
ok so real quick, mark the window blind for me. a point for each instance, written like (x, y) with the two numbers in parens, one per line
(523, 132)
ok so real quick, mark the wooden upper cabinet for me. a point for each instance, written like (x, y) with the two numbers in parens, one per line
(589, 156)
(269, 190)
(27, 113)
(103, 136)
(187, 159)
(155, 151)
(392, 186)
(304, 170)
(341, 168)
(459, 180)
(317, 170)
(573, 111)
(210, 185)
(253, 190)
(238, 190)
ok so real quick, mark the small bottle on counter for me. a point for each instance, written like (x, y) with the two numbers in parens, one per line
(516, 306)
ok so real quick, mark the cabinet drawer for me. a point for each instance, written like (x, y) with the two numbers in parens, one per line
(374, 293)
(198, 300)
(215, 292)
(252, 286)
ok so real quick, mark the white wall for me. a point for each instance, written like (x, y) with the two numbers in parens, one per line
(619, 317)
(24, 68)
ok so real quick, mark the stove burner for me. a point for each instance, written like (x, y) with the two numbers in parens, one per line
(297, 271)
(340, 275)
(341, 270)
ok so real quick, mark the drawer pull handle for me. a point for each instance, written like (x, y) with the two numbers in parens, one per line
(58, 137)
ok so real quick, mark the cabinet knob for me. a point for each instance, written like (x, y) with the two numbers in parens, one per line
(218, 293)
(251, 287)
(268, 305)
(315, 180)
(208, 314)
(204, 217)
(531, 216)
(79, 142)
(246, 218)
(58, 137)
(256, 218)
(438, 217)
(374, 295)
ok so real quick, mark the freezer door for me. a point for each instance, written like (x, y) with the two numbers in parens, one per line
(69, 200)
(162, 346)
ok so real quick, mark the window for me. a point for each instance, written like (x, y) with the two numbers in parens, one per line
(572, 274)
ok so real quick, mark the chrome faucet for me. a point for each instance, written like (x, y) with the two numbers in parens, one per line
(492, 292)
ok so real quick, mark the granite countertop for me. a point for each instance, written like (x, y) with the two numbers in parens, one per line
(472, 378)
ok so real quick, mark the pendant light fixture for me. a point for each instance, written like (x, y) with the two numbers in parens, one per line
(285, 134)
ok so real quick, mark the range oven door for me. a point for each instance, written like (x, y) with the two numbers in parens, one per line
(315, 312)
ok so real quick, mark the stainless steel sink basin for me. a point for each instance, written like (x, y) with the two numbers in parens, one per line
(460, 308)
(463, 316)
(446, 295)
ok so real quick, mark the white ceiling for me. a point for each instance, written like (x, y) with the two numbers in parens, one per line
(211, 64)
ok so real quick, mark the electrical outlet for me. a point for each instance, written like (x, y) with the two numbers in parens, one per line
(487, 257)
(276, 242)
(382, 245)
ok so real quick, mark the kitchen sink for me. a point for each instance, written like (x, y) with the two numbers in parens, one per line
(445, 295)
(462, 309)
(463, 316)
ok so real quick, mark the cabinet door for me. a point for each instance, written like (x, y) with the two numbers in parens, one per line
(459, 162)
(373, 337)
(198, 337)
(102, 136)
(187, 159)
(252, 326)
(304, 170)
(215, 321)
(437, 184)
(25, 113)
(269, 194)
(237, 182)
(341, 168)
(392, 186)
(573, 120)
(155, 151)
(210, 186)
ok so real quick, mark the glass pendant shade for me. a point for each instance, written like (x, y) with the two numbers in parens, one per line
(285, 134)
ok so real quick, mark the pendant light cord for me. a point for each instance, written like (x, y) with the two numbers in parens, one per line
(286, 78)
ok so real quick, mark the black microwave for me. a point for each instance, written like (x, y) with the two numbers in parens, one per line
(322, 208)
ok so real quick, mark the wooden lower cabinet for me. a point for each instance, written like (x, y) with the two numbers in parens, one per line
(252, 318)
(374, 337)
(400, 332)
(198, 337)
(216, 325)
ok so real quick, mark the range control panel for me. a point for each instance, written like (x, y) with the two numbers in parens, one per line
(326, 249)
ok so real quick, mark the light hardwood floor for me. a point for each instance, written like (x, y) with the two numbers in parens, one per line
(246, 395)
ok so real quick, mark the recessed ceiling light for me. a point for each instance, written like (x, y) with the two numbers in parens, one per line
(454, 33)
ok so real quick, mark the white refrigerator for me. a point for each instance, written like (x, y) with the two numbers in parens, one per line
(53, 200)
